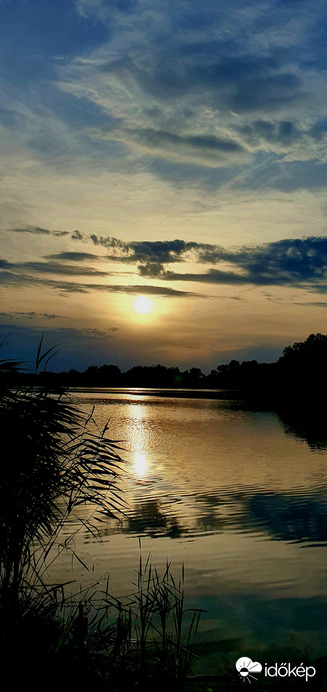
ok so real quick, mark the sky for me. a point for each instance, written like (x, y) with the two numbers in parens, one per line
(164, 149)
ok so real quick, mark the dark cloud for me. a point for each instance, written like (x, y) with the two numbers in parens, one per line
(73, 256)
(286, 262)
(187, 174)
(51, 268)
(31, 229)
(244, 82)
(105, 242)
(285, 176)
(143, 289)
(194, 77)
(164, 251)
(280, 132)
(4, 264)
(62, 333)
(57, 268)
(38, 231)
(77, 235)
(27, 315)
(318, 131)
(266, 93)
(313, 304)
(297, 262)
(149, 251)
(213, 276)
(66, 287)
(71, 333)
(151, 269)
(212, 150)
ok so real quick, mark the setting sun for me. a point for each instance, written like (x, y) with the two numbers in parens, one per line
(143, 305)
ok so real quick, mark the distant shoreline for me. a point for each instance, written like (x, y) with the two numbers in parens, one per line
(169, 392)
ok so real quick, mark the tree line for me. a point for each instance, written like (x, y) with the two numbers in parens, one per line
(301, 366)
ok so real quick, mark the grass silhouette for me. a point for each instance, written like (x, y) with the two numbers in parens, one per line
(54, 459)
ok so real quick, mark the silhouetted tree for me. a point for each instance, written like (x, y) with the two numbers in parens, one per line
(304, 365)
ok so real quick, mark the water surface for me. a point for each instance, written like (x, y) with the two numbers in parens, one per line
(237, 495)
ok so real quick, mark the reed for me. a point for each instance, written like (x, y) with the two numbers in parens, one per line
(146, 640)
(54, 459)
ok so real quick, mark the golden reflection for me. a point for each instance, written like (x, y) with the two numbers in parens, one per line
(137, 412)
(140, 465)
(139, 439)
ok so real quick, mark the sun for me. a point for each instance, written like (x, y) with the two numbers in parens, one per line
(143, 305)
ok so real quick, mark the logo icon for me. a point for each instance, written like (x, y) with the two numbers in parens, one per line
(246, 667)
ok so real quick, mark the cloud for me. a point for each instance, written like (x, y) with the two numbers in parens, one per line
(313, 304)
(8, 278)
(162, 251)
(267, 93)
(187, 70)
(51, 268)
(151, 269)
(74, 256)
(297, 262)
(188, 91)
(36, 230)
(28, 315)
(103, 10)
(62, 333)
(275, 135)
(213, 276)
(166, 81)
(77, 235)
(208, 150)
(286, 262)
(89, 333)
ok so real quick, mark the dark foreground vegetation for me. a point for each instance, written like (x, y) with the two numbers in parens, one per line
(301, 368)
(53, 460)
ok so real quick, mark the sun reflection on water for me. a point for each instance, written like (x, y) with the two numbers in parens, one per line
(138, 438)
(141, 465)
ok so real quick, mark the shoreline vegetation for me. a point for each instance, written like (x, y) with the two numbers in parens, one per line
(54, 459)
(302, 367)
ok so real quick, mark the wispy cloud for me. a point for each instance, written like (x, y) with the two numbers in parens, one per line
(51, 268)
(208, 150)
(57, 334)
(27, 315)
(313, 304)
(36, 230)
(8, 278)
(74, 256)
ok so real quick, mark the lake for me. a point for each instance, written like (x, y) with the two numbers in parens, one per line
(237, 495)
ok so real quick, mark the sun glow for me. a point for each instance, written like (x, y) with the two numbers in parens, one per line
(143, 305)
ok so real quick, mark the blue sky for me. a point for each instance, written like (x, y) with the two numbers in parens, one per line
(165, 149)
